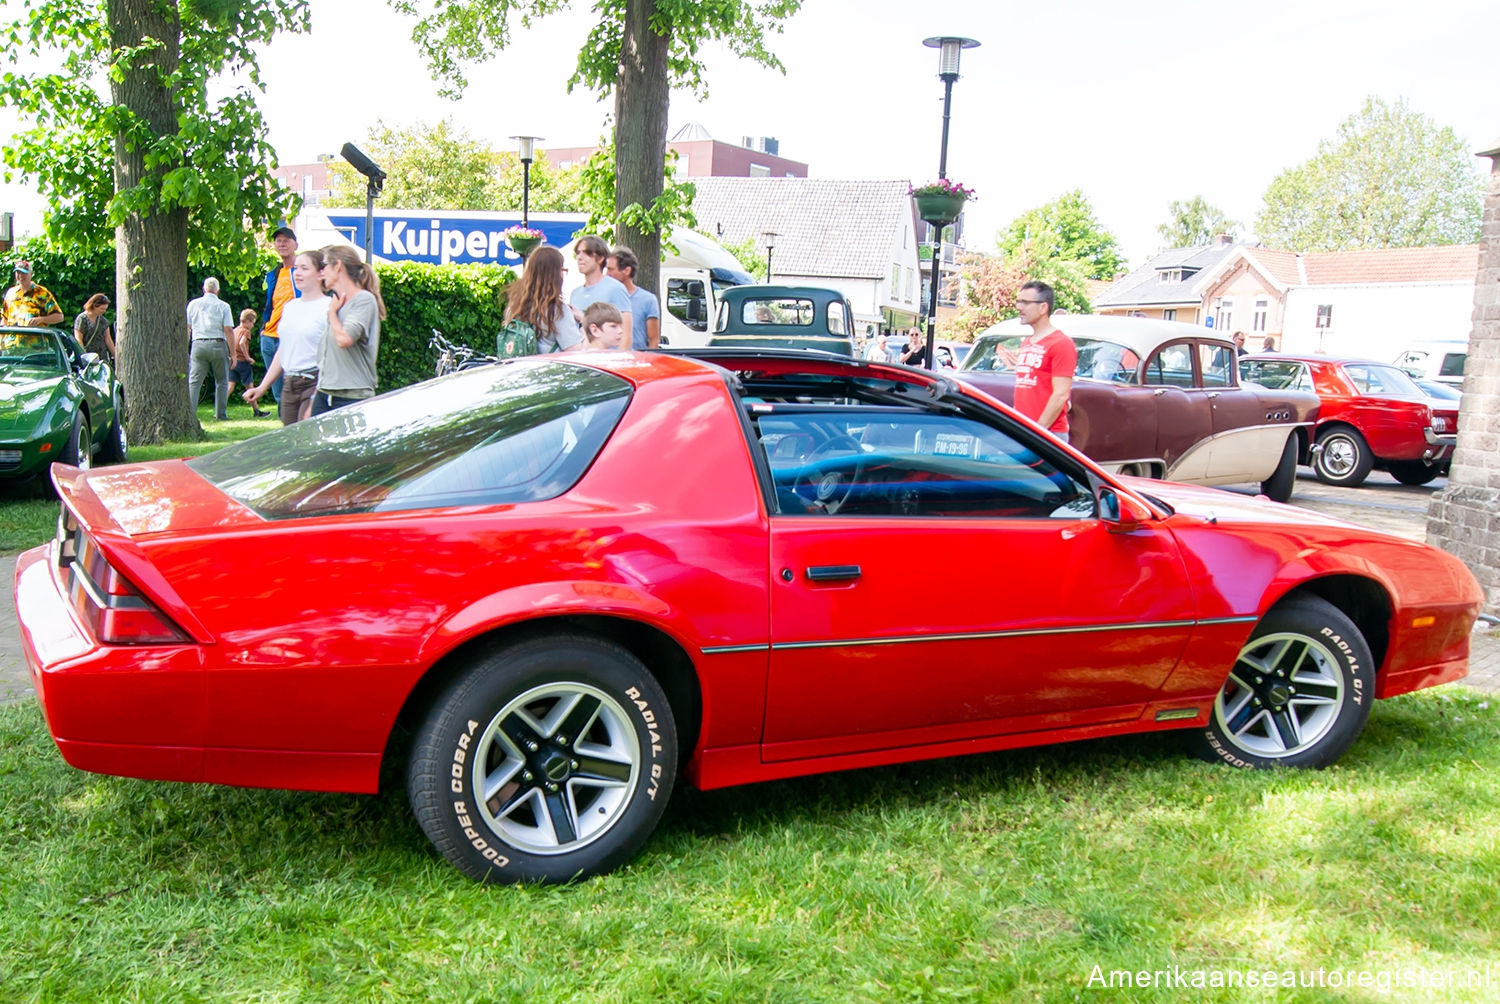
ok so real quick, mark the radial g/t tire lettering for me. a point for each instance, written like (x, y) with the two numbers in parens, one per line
(548, 760)
(1297, 695)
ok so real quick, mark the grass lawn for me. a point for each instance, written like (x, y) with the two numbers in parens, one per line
(998, 877)
(28, 515)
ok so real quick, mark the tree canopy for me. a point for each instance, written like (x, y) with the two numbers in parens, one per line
(986, 286)
(212, 160)
(1065, 229)
(638, 51)
(126, 140)
(435, 166)
(1194, 223)
(1389, 177)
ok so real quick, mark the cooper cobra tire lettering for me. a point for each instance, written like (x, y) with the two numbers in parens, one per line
(555, 758)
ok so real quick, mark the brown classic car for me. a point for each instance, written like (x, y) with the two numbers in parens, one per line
(1163, 400)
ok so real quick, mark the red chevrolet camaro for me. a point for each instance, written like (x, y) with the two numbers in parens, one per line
(546, 590)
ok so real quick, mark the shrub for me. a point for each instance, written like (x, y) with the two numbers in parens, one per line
(465, 302)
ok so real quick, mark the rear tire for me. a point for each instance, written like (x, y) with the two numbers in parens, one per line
(1298, 694)
(1344, 458)
(546, 761)
(1278, 487)
(1413, 472)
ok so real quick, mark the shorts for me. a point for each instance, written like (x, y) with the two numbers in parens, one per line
(296, 397)
(241, 373)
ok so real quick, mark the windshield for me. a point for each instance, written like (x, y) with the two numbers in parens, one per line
(1097, 359)
(1380, 380)
(33, 350)
(519, 432)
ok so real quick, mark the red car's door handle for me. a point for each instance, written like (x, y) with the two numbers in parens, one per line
(1158, 392)
(832, 573)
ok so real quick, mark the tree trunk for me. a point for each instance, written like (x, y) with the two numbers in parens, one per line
(150, 248)
(641, 96)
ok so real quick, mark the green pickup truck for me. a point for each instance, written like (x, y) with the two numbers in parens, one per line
(784, 317)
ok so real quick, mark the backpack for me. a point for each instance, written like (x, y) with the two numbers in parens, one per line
(516, 338)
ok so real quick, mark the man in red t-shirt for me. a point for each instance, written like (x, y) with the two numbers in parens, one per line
(1045, 362)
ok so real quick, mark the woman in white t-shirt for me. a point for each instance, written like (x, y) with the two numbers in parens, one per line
(303, 321)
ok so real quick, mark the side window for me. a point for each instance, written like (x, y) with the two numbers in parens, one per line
(686, 302)
(884, 462)
(1276, 375)
(1217, 362)
(836, 319)
(1172, 366)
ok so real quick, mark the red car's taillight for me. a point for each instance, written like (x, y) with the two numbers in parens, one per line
(114, 610)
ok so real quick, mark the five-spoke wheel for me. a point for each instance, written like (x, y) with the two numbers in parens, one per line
(1297, 695)
(548, 760)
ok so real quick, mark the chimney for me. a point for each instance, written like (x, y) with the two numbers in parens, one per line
(1224, 240)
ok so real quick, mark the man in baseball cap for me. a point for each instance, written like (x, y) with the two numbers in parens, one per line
(27, 304)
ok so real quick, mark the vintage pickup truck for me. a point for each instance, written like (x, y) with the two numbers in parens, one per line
(1163, 399)
(784, 317)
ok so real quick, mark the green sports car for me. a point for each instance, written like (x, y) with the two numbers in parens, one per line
(57, 404)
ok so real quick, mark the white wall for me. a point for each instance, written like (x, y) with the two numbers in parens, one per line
(1377, 321)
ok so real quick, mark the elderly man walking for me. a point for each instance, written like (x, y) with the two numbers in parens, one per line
(212, 324)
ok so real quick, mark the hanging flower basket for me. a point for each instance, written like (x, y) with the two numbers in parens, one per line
(524, 240)
(939, 202)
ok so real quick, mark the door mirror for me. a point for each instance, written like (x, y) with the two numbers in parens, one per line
(1118, 511)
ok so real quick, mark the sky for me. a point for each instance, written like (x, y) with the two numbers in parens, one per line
(1136, 104)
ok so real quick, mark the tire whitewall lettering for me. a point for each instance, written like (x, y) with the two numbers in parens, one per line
(1298, 694)
(548, 760)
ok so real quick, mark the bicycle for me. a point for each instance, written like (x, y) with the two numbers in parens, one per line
(452, 357)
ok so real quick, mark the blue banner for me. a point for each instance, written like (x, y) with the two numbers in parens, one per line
(445, 239)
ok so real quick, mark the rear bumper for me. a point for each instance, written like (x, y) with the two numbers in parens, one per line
(130, 711)
(1438, 447)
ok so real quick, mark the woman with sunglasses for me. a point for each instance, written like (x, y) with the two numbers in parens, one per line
(346, 355)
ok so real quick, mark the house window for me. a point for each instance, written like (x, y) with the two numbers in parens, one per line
(1169, 314)
(759, 171)
(895, 282)
(1325, 315)
(1225, 315)
(911, 288)
(1167, 275)
(1258, 323)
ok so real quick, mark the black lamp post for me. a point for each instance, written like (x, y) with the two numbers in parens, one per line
(950, 48)
(528, 154)
(376, 177)
(770, 236)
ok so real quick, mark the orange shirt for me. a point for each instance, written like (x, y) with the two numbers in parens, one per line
(279, 298)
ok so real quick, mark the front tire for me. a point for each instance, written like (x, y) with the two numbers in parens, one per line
(549, 760)
(79, 450)
(1343, 457)
(116, 450)
(1278, 487)
(1299, 692)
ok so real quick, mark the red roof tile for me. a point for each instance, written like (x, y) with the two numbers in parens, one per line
(1453, 263)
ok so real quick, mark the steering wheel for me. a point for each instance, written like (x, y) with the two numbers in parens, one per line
(829, 490)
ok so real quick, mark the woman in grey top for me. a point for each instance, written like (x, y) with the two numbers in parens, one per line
(346, 355)
(92, 330)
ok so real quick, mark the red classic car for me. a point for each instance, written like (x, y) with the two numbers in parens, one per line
(1163, 400)
(1372, 416)
(544, 589)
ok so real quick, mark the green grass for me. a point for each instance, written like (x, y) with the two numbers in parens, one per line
(28, 515)
(989, 878)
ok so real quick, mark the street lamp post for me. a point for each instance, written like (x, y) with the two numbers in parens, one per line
(376, 178)
(527, 151)
(950, 48)
(770, 236)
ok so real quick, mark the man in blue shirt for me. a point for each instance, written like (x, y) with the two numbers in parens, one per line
(590, 253)
(644, 308)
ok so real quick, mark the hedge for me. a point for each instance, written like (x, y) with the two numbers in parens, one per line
(465, 302)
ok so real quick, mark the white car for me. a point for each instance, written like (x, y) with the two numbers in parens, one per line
(1440, 360)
